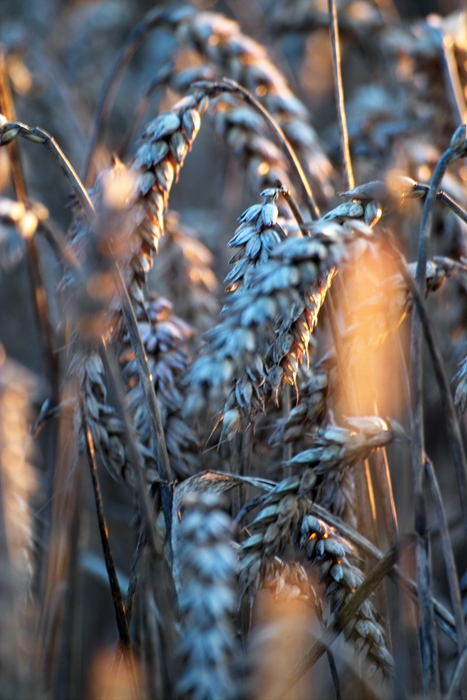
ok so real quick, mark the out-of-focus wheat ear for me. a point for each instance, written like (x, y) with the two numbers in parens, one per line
(107, 429)
(208, 601)
(226, 85)
(154, 18)
(164, 336)
(391, 303)
(223, 46)
(17, 486)
(221, 43)
(184, 273)
(65, 509)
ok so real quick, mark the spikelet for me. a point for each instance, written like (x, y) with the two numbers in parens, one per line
(310, 409)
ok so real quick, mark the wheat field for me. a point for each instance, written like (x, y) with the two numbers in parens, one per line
(233, 350)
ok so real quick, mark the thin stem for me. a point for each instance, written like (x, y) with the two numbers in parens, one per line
(339, 92)
(427, 632)
(7, 107)
(227, 85)
(134, 573)
(334, 675)
(344, 615)
(117, 598)
(129, 604)
(461, 668)
(287, 446)
(443, 197)
(449, 562)
(289, 198)
(446, 199)
(38, 135)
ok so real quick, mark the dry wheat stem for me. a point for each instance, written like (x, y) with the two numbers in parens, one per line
(7, 107)
(117, 598)
(452, 80)
(449, 561)
(446, 199)
(9, 131)
(460, 398)
(456, 681)
(339, 94)
(155, 422)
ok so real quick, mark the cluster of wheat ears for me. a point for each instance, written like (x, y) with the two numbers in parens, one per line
(290, 537)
